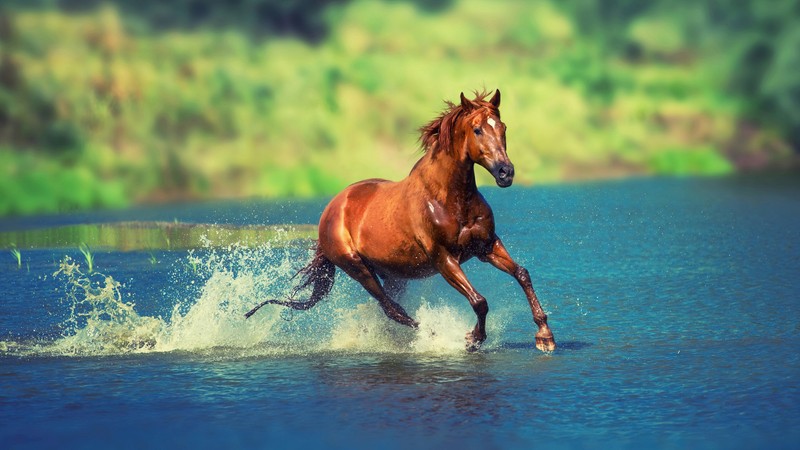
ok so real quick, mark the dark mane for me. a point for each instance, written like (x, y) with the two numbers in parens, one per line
(438, 133)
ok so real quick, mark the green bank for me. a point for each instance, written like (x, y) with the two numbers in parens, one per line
(115, 103)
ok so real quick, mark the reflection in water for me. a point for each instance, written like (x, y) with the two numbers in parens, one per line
(131, 236)
(568, 345)
(418, 390)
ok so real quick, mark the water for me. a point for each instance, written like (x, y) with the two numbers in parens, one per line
(674, 303)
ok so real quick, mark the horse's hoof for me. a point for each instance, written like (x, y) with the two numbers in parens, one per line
(473, 344)
(545, 344)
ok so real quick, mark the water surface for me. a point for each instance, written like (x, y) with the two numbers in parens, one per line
(674, 304)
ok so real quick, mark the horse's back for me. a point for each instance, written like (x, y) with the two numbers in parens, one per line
(353, 200)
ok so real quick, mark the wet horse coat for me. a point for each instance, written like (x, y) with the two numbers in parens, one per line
(382, 233)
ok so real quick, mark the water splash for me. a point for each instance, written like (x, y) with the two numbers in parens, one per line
(99, 321)
(215, 287)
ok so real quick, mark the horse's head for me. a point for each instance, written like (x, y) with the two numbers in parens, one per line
(485, 137)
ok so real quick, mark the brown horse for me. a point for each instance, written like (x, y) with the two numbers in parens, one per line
(382, 233)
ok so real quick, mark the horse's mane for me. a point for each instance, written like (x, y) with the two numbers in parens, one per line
(438, 133)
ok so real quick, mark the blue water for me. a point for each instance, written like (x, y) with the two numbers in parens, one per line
(674, 302)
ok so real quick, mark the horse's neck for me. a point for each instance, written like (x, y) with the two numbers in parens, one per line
(445, 177)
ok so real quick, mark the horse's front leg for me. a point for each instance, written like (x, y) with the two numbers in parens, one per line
(450, 269)
(498, 256)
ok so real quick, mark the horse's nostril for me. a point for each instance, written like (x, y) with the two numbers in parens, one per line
(505, 172)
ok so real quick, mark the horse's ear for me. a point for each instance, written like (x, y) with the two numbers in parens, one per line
(495, 101)
(466, 104)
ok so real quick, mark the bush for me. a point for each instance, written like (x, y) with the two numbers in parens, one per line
(689, 161)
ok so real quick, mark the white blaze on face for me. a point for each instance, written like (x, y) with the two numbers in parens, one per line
(491, 122)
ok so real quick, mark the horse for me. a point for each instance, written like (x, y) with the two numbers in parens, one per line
(383, 233)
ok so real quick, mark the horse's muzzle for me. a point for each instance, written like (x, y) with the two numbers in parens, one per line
(503, 174)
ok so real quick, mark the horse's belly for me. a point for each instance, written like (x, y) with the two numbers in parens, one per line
(398, 257)
(408, 272)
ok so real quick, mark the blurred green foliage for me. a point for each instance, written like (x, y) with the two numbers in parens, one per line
(104, 104)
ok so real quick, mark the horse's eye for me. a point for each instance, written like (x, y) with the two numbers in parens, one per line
(478, 132)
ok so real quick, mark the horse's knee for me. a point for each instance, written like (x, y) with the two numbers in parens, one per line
(523, 276)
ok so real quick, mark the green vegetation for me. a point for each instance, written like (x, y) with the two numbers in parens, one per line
(681, 161)
(116, 103)
(17, 255)
(88, 256)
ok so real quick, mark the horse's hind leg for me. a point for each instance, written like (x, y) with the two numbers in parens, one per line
(394, 287)
(359, 271)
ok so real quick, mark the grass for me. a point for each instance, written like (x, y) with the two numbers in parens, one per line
(17, 255)
(686, 162)
(88, 256)
(193, 264)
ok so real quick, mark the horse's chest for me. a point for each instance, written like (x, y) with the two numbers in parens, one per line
(462, 233)
(472, 233)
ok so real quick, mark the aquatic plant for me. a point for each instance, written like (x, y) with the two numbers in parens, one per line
(87, 254)
(153, 259)
(193, 264)
(17, 255)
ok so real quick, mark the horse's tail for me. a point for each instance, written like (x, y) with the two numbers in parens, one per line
(319, 272)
